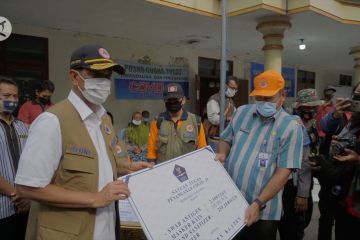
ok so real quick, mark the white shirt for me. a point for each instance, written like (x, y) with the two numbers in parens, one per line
(213, 112)
(43, 149)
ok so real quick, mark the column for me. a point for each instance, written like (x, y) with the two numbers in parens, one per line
(273, 28)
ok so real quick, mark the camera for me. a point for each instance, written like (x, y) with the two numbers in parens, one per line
(348, 140)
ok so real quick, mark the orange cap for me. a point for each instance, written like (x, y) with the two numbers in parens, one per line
(268, 83)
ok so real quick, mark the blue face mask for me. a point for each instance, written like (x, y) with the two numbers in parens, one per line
(266, 109)
(8, 106)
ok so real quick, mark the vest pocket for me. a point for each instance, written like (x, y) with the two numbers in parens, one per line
(74, 162)
(58, 225)
(78, 173)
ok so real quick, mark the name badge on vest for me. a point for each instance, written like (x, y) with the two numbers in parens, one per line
(107, 129)
(77, 150)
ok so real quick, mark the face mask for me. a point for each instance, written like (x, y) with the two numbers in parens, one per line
(96, 90)
(266, 109)
(146, 120)
(328, 96)
(173, 106)
(44, 100)
(307, 115)
(7, 106)
(136, 122)
(230, 92)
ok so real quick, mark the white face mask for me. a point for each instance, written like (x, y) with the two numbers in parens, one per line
(96, 90)
(230, 92)
(136, 122)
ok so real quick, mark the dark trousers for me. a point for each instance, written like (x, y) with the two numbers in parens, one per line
(328, 206)
(347, 226)
(14, 227)
(292, 224)
(263, 229)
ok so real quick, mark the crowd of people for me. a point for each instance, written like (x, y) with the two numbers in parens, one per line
(60, 162)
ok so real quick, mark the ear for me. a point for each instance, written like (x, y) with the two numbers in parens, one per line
(183, 101)
(73, 76)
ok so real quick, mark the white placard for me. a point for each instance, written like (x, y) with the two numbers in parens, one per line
(188, 198)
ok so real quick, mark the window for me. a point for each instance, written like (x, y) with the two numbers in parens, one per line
(345, 80)
(25, 60)
(305, 79)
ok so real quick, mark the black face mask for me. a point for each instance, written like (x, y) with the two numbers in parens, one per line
(44, 100)
(307, 115)
(328, 96)
(173, 106)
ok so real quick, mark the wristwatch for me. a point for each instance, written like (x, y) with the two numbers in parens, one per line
(260, 203)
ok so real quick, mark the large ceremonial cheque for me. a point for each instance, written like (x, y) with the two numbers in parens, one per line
(189, 197)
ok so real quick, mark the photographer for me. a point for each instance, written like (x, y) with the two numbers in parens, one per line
(342, 166)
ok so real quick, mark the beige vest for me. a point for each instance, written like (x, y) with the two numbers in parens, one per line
(78, 171)
(173, 142)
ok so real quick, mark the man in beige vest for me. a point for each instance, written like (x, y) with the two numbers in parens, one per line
(212, 122)
(72, 158)
(176, 131)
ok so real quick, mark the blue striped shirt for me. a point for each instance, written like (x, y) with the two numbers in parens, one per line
(12, 140)
(280, 138)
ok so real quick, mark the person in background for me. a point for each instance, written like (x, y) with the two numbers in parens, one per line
(297, 200)
(146, 118)
(328, 106)
(328, 203)
(342, 165)
(13, 135)
(212, 122)
(260, 148)
(176, 131)
(136, 137)
(31, 109)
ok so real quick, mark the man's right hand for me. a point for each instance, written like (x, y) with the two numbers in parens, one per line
(341, 106)
(113, 191)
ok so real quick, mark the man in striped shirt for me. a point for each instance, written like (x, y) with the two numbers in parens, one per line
(13, 134)
(259, 149)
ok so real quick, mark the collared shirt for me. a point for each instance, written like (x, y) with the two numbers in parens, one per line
(154, 132)
(12, 140)
(322, 113)
(213, 110)
(31, 110)
(42, 153)
(332, 125)
(259, 147)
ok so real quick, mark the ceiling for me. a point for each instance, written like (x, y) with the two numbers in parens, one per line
(328, 41)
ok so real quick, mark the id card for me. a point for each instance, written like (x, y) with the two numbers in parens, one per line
(263, 159)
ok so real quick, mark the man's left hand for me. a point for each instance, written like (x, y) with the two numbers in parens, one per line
(301, 204)
(22, 205)
(136, 166)
(252, 214)
(350, 155)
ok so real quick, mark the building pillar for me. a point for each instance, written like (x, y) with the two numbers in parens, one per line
(273, 29)
(355, 53)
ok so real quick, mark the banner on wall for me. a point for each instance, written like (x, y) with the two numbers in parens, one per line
(288, 73)
(143, 81)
